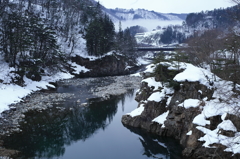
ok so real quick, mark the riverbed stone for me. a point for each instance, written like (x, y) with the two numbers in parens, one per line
(41, 101)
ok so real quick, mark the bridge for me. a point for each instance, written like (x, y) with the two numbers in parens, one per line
(157, 48)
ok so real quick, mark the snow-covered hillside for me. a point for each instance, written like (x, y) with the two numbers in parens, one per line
(142, 17)
(136, 14)
(154, 37)
(149, 38)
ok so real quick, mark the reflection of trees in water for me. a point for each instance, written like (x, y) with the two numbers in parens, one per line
(130, 94)
(45, 134)
(158, 147)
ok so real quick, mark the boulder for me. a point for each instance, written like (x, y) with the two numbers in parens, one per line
(110, 65)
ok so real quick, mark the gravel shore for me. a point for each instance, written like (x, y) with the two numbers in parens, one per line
(77, 90)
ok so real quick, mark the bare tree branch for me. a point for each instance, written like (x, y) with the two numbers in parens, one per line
(235, 1)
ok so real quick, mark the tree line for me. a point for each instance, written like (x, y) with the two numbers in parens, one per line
(32, 30)
(218, 18)
(102, 38)
(218, 47)
(171, 34)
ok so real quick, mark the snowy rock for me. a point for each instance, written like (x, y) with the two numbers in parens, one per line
(111, 65)
(199, 105)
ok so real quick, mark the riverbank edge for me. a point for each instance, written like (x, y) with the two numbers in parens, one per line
(38, 101)
(111, 65)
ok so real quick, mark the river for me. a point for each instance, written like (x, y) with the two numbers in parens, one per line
(72, 130)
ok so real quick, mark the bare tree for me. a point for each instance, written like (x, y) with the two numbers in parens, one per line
(203, 45)
(235, 1)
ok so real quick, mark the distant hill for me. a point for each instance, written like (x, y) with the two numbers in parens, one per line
(137, 14)
(217, 18)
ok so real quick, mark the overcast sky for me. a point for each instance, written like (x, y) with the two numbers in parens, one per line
(168, 6)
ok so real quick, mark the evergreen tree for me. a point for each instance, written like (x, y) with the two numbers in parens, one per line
(28, 45)
(137, 29)
(100, 36)
(167, 36)
(126, 43)
(119, 38)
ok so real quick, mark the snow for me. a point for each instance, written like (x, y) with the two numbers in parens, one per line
(195, 74)
(161, 118)
(137, 112)
(217, 107)
(188, 103)
(224, 102)
(127, 14)
(210, 137)
(213, 136)
(159, 96)
(189, 133)
(5, 72)
(201, 120)
(150, 24)
(142, 61)
(169, 100)
(136, 74)
(79, 68)
(12, 93)
(227, 125)
(152, 83)
(150, 68)
(224, 116)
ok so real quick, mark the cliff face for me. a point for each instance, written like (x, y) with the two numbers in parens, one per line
(170, 116)
(110, 65)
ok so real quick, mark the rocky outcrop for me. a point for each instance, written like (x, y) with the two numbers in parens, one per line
(179, 121)
(109, 65)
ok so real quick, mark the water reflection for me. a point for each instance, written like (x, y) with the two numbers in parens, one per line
(158, 147)
(45, 134)
(88, 132)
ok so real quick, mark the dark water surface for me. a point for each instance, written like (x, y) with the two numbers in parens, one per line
(93, 132)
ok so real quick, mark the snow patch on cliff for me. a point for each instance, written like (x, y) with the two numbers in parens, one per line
(153, 83)
(161, 118)
(188, 103)
(137, 112)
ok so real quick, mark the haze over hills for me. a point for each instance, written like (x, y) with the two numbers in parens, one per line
(142, 17)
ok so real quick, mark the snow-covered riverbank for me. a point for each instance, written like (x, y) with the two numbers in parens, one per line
(102, 87)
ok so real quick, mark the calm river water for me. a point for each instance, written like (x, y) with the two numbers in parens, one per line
(92, 132)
